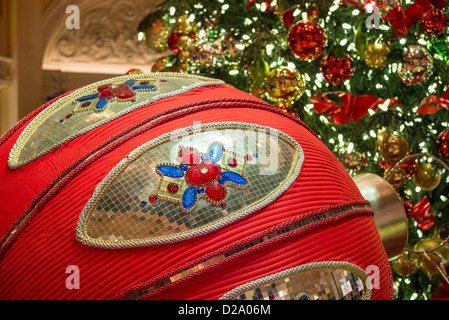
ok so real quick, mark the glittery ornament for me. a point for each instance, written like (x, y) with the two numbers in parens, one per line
(165, 64)
(258, 91)
(407, 205)
(258, 70)
(443, 144)
(376, 55)
(351, 161)
(204, 54)
(395, 178)
(416, 65)
(393, 148)
(407, 264)
(156, 36)
(285, 86)
(427, 176)
(337, 70)
(409, 166)
(307, 40)
(434, 21)
(441, 253)
(133, 71)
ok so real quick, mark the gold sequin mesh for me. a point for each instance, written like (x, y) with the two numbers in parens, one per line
(328, 280)
(52, 128)
(118, 213)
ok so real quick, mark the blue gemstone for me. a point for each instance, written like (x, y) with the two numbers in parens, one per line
(184, 167)
(170, 171)
(143, 87)
(200, 190)
(144, 203)
(61, 121)
(101, 103)
(256, 155)
(215, 152)
(234, 178)
(85, 98)
(221, 180)
(204, 158)
(130, 82)
(189, 198)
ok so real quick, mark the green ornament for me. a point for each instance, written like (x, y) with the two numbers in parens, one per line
(361, 41)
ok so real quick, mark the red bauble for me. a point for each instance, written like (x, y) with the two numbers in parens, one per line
(307, 40)
(443, 144)
(434, 21)
(173, 41)
(337, 70)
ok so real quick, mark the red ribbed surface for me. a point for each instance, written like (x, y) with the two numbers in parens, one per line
(33, 264)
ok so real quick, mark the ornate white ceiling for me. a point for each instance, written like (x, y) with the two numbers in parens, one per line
(106, 42)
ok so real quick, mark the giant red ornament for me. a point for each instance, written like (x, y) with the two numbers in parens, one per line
(194, 190)
(307, 40)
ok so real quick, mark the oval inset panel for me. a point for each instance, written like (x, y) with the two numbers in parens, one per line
(328, 280)
(188, 183)
(90, 107)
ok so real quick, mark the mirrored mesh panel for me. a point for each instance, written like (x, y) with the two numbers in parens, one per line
(315, 281)
(95, 105)
(188, 183)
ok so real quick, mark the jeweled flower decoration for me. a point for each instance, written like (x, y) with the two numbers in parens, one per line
(201, 176)
(99, 101)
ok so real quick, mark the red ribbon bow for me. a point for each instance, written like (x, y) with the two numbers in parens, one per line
(349, 107)
(422, 213)
(432, 104)
(402, 20)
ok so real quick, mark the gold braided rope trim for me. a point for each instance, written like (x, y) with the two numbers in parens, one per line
(13, 160)
(315, 266)
(81, 229)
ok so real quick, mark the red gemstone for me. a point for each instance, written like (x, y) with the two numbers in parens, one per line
(153, 198)
(249, 157)
(68, 116)
(104, 87)
(126, 95)
(216, 192)
(173, 187)
(190, 157)
(203, 174)
(86, 104)
(232, 162)
(107, 93)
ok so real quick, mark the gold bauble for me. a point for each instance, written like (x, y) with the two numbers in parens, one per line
(407, 264)
(427, 176)
(184, 42)
(156, 35)
(285, 85)
(258, 91)
(393, 148)
(429, 244)
(376, 55)
(183, 25)
(164, 64)
(397, 177)
(133, 71)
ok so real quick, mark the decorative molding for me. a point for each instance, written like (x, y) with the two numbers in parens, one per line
(107, 41)
(5, 66)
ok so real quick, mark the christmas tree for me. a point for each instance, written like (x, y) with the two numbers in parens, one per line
(369, 77)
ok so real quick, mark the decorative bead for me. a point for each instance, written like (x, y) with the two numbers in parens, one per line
(248, 157)
(130, 82)
(101, 103)
(153, 198)
(68, 116)
(144, 203)
(189, 198)
(221, 180)
(232, 162)
(234, 177)
(215, 152)
(200, 190)
(215, 192)
(184, 167)
(86, 104)
(197, 177)
(85, 98)
(170, 171)
(173, 187)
